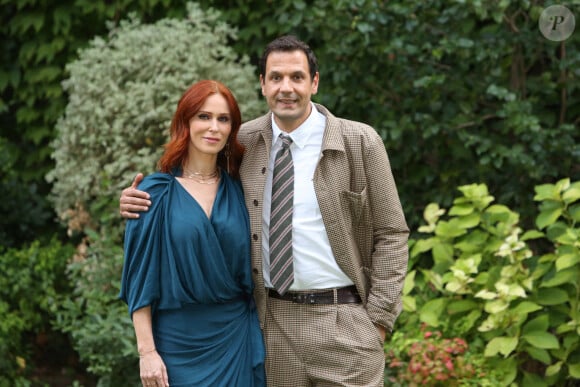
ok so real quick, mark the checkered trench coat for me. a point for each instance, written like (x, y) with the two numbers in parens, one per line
(360, 209)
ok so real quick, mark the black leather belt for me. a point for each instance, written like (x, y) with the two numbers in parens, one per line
(347, 295)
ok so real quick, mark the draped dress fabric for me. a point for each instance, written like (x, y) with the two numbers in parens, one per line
(195, 273)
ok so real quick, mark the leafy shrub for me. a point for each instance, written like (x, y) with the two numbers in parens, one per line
(97, 321)
(33, 278)
(433, 360)
(512, 294)
(123, 92)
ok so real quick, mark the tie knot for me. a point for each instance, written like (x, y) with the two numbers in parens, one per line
(286, 140)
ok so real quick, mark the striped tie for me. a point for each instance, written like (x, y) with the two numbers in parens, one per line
(281, 266)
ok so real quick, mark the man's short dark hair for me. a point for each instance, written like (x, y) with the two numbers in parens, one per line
(289, 43)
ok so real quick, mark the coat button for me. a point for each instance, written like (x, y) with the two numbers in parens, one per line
(255, 237)
(256, 271)
(255, 202)
(263, 170)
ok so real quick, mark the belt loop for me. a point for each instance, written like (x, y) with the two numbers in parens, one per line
(335, 294)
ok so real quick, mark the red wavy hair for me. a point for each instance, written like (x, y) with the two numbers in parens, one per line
(190, 103)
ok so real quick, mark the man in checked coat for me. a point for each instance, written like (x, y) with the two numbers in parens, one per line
(349, 234)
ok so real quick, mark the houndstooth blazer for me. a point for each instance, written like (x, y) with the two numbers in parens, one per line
(360, 209)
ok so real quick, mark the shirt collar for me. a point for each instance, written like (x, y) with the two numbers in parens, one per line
(301, 134)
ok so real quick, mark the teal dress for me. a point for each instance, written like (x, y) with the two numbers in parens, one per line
(195, 273)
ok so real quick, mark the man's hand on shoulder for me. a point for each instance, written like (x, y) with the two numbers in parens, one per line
(133, 201)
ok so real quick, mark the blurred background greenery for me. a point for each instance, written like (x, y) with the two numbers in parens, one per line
(461, 91)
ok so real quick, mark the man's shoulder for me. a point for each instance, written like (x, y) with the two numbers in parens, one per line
(255, 125)
(346, 127)
(251, 130)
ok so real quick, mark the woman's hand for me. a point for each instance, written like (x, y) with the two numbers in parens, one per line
(152, 370)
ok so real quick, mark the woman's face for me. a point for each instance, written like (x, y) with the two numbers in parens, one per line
(210, 127)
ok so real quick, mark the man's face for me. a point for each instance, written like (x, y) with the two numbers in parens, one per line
(288, 87)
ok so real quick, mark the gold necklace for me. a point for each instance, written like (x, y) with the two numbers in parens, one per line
(202, 178)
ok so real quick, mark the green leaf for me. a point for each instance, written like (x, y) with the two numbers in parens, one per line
(496, 306)
(539, 324)
(548, 217)
(422, 245)
(461, 209)
(561, 277)
(539, 354)
(533, 380)
(468, 221)
(574, 370)
(443, 254)
(459, 306)
(567, 260)
(543, 340)
(431, 311)
(533, 234)
(502, 345)
(409, 303)
(569, 237)
(547, 192)
(432, 213)
(450, 229)
(526, 307)
(574, 212)
(554, 369)
(571, 195)
(552, 296)
(409, 282)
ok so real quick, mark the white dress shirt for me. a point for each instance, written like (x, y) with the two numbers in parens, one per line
(314, 263)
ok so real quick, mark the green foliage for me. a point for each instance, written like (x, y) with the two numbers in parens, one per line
(38, 39)
(24, 211)
(513, 295)
(461, 91)
(99, 324)
(122, 98)
(32, 280)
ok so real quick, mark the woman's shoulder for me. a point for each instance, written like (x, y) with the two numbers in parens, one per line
(156, 183)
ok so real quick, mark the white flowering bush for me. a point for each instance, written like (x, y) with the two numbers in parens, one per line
(123, 91)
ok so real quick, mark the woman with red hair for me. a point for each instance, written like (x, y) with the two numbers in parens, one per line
(186, 277)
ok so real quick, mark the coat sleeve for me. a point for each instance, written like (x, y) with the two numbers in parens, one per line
(390, 234)
(140, 281)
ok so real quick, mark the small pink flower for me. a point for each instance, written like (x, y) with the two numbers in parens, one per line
(449, 364)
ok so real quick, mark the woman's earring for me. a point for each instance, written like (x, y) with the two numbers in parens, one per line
(228, 154)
